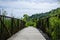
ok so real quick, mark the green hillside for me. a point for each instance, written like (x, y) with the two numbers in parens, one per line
(50, 13)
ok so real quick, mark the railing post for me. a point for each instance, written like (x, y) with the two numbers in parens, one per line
(39, 24)
(1, 28)
(59, 16)
(42, 24)
(12, 21)
(18, 23)
(47, 22)
(2, 19)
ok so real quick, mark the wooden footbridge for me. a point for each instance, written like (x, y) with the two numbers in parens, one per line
(10, 26)
(29, 33)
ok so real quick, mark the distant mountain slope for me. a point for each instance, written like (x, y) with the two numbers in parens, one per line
(40, 15)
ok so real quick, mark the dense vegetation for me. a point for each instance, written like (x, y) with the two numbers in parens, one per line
(53, 29)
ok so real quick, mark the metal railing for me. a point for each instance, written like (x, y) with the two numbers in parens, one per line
(9, 26)
(44, 24)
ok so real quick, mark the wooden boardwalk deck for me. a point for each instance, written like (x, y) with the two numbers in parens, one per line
(29, 33)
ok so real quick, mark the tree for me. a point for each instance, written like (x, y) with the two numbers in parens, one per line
(4, 12)
(25, 17)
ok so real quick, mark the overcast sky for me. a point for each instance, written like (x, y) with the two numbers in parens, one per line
(21, 7)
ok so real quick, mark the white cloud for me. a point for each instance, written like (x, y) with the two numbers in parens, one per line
(29, 7)
(23, 4)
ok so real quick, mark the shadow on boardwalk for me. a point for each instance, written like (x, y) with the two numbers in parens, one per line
(45, 35)
(29, 33)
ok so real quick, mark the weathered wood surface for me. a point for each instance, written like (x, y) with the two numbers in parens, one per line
(29, 33)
